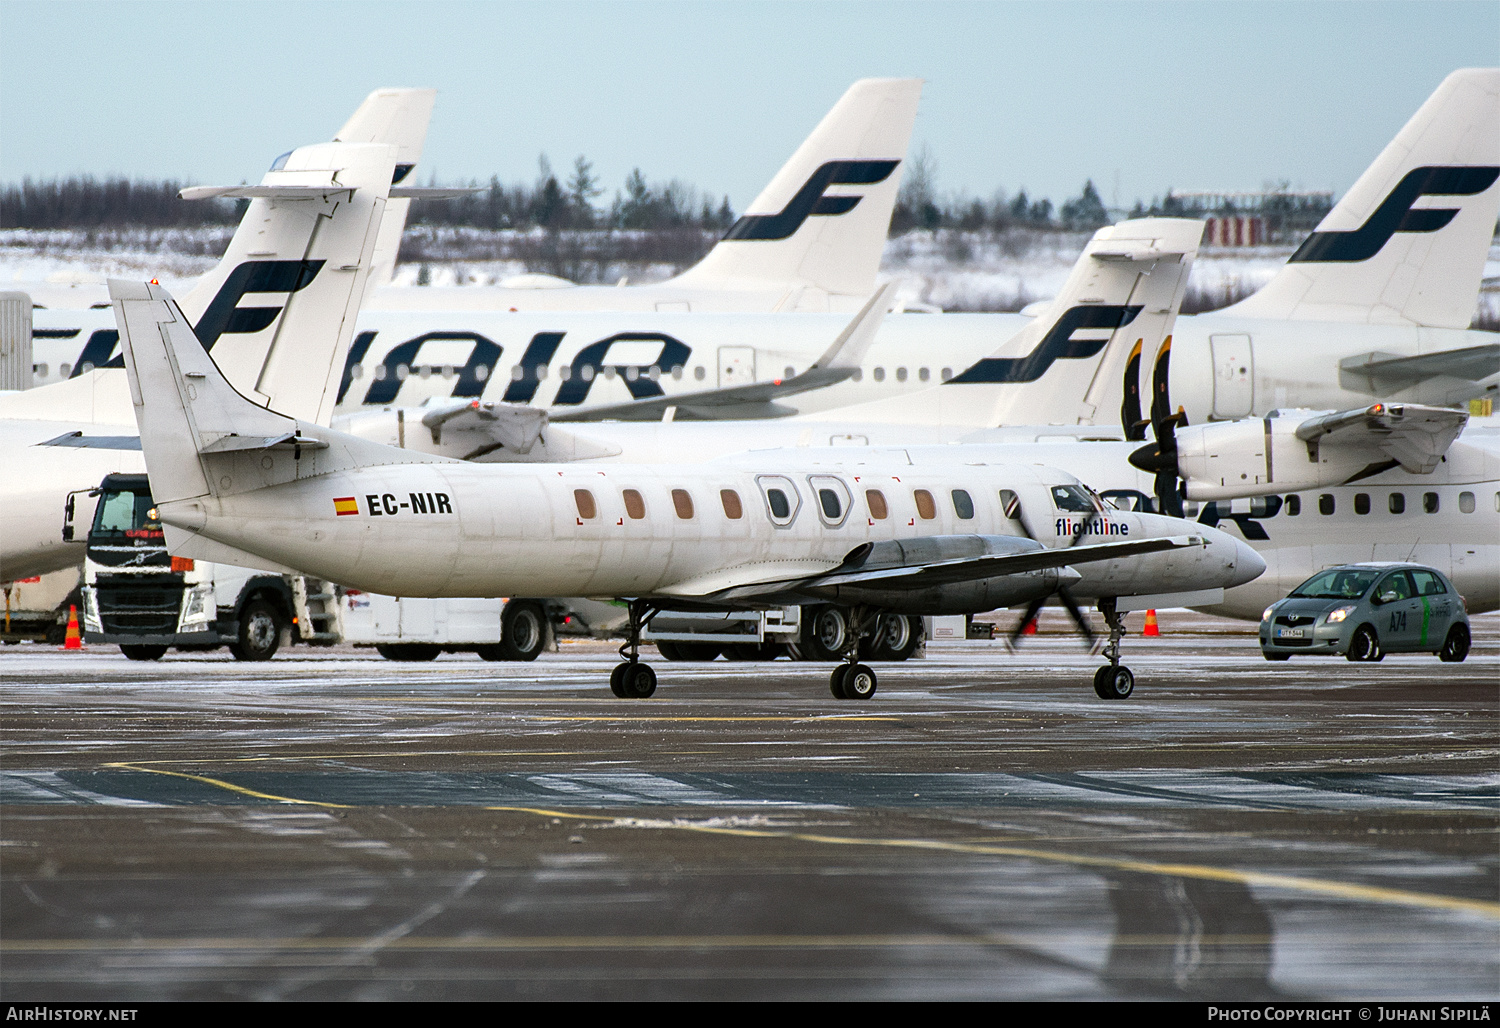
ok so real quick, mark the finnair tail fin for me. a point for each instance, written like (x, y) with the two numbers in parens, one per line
(1407, 244)
(821, 224)
(1078, 361)
(398, 116)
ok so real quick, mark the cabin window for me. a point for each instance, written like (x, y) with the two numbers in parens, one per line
(923, 374)
(39, 370)
(947, 374)
(1265, 506)
(1466, 503)
(859, 373)
(699, 373)
(516, 373)
(1293, 506)
(963, 505)
(677, 372)
(926, 508)
(878, 374)
(1325, 504)
(1361, 503)
(1397, 503)
(424, 372)
(879, 511)
(634, 505)
(683, 504)
(1430, 502)
(63, 369)
(584, 500)
(731, 501)
(379, 372)
(791, 372)
(1010, 504)
(565, 373)
(482, 372)
(403, 372)
(900, 374)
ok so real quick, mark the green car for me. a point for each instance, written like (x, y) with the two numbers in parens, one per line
(1365, 611)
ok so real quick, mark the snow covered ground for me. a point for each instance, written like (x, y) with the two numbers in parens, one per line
(950, 269)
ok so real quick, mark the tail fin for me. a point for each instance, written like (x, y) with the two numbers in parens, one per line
(1407, 244)
(821, 224)
(1069, 365)
(309, 240)
(398, 116)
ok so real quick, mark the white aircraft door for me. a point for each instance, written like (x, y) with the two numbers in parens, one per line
(1234, 376)
(736, 366)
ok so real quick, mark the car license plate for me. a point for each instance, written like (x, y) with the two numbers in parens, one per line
(1291, 633)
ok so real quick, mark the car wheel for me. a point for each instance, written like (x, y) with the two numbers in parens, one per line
(1275, 656)
(154, 652)
(1365, 645)
(1456, 646)
(262, 631)
(523, 630)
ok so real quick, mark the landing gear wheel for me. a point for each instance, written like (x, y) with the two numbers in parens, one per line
(1114, 682)
(633, 681)
(1364, 646)
(262, 631)
(1456, 646)
(896, 637)
(523, 630)
(825, 635)
(409, 652)
(836, 681)
(155, 652)
(859, 682)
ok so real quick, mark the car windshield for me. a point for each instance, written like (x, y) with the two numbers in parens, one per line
(1337, 584)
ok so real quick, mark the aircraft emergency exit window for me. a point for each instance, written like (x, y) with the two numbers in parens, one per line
(634, 505)
(731, 501)
(1293, 506)
(1361, 503)
(923, 374)
(879, 511)
(585, 503)
(1466, 503)
(833, 508)
(683, 503)
(1430, 502)
(780, 508)
(900, 374)
(926, 508)
(1398, 503)
(1325, 504)
(878, 374)
(963, 505)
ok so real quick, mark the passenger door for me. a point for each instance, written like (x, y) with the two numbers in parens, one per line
(1234, 376)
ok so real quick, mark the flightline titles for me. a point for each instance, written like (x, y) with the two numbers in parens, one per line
(1374, 1014)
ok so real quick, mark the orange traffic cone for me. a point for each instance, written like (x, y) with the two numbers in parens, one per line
(73, 640)
(1151, 627)
(1030, 627)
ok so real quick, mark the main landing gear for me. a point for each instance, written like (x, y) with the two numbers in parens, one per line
(1114, 682)
(852, 680)
(633, 680)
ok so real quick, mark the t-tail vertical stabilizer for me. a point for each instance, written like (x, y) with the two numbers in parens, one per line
(820, 225)
(1070, 364)
(1407, 244)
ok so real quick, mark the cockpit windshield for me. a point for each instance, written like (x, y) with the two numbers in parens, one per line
(1073, 498)
(1336, 584)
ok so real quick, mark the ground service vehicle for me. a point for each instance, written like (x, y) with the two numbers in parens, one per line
(1367, 610)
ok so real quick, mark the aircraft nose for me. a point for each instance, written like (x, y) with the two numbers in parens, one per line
(1248, 564)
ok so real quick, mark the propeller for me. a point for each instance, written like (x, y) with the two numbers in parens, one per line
(1160, 458)
(1063, 594)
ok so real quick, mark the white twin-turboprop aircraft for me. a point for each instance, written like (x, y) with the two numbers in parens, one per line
(914, 531)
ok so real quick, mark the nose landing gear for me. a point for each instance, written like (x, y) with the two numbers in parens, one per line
(852, 680)
(1115, 682)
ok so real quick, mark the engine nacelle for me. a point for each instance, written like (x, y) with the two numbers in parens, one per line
(1230, 459)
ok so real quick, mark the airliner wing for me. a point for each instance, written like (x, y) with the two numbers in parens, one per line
(1409, 433)
(1387, 373)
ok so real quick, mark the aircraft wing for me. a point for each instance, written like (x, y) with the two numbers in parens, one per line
(476, 428)
(757, 400)
(1387, 372)
(770, 581)
(1415, 436)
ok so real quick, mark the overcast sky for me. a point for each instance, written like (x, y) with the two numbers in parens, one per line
(1136, 96)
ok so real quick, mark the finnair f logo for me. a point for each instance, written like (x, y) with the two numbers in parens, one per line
(1395, 214)
(810, 200)
(1057, 344)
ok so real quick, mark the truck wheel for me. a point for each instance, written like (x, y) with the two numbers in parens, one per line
(668, 650)
(697, 651)
(754, 651)
(824, 633)
(262, 631)
(143, 652)
(415, 652)
(523, 630)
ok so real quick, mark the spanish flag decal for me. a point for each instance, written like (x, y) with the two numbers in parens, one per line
(345, 505)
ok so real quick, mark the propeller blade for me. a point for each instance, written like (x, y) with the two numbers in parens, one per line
(1032, 609)
(1077, 615)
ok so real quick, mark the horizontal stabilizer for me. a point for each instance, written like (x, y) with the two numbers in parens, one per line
(315, 191)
